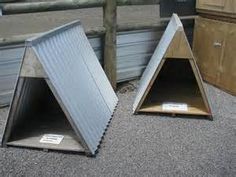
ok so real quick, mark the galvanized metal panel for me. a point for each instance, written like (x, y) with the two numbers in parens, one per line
(137, 36)
(130, 73)
(75, 74)
(9, 68)
(159, 52)
(134, 50)
(10, 59)
(7, 83)
(86, 51)
(96, 43)
(10, 53)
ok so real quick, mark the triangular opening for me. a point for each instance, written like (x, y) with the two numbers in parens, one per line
(38, 115)
(175, 90)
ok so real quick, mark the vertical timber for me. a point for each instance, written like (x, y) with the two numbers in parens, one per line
(110, 23)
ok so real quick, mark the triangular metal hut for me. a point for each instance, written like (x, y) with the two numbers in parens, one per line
(63, 99)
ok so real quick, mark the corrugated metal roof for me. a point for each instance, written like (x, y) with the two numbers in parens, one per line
(76, 75)
(77, 79)
(157, 56)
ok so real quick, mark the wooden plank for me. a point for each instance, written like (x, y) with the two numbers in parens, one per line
(194, 108)
(217, 7)
(188, 17)
(217, 15)
(30, 7)
(227, 65)
(109, 22)
(208, 53)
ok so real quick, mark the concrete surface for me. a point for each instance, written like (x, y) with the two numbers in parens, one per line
(142, 145)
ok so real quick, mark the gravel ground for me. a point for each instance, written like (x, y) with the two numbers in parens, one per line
(142, 145)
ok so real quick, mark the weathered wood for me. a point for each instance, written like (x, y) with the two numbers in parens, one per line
(230, 17)
(137, 2)
(190, 17)
(225, 8)
(109, 22)
(216, 55)
(3, 1)
(29, 7)
(218, 16)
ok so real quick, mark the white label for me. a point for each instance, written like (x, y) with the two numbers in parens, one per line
(174, 107)
(51, 139)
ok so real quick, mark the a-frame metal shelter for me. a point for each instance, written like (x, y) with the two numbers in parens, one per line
(172, 83)
(63, 99)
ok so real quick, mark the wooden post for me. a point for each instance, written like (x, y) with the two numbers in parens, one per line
(109, 22)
